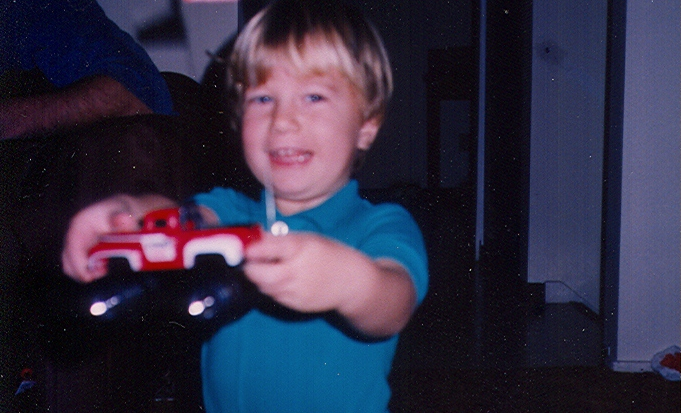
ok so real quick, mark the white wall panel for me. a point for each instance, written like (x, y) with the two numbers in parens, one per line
(648, 313)
(566, 149)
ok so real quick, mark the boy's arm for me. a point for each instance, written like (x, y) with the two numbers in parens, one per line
(311, 273)
(114, 214)
(380, 297)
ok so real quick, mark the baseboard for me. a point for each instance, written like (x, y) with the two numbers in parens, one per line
(559, 292)
(630, 366)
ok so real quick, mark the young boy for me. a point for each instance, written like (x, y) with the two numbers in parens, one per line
(311, 81)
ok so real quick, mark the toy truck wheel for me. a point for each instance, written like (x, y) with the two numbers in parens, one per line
(210, 262)
(115, 262)
(228, 246)
(119, 265)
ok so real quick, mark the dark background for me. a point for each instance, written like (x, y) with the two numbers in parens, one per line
(467, 347)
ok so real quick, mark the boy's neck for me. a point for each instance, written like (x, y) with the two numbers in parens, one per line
(291, 207)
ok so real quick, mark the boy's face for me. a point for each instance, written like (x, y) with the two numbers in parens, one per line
(301, 132)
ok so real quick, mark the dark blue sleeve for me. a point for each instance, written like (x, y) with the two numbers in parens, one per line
(73, 39)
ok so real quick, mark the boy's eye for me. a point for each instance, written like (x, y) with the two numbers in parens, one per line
(314, 98)
(259, 99)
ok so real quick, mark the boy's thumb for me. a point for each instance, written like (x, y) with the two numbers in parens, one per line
(123, 222)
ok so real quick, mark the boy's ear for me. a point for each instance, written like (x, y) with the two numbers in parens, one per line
(367, 133)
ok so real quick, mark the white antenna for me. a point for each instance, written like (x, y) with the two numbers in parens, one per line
(273, 226)
(270, 206)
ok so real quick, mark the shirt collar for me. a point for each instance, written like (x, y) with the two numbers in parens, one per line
(324, 216)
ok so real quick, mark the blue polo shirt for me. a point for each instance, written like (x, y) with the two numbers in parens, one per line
(72, 39)
(274, 359)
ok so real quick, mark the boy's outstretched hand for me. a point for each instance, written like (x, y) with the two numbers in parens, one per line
(115, 214)
(310, 273)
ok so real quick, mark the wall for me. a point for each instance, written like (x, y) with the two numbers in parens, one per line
(647, 310)
(408, 27)
(207, 26)
(566, 149)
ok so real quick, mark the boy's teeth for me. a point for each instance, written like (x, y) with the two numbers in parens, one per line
(292, 155)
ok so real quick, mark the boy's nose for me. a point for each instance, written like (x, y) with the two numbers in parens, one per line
(284, 117)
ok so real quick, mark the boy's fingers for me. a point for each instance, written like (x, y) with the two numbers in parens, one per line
(252, 251)
(66, 265)
(79, 239)
(268, 249)
(74, 265)
(73, 268)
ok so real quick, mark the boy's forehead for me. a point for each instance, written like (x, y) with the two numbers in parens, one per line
(313, 55)
(307, 68)
(310, 73)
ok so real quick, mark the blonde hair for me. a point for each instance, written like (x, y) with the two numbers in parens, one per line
(316, 36)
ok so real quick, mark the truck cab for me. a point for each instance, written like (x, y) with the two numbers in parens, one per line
(167, 242)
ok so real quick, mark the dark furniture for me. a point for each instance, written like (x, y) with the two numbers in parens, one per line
(45, 180)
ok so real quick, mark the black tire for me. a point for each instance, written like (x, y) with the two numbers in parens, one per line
(208, 296)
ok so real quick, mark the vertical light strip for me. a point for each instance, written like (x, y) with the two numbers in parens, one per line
(480, 198)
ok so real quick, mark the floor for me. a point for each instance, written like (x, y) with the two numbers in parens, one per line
(552, 389)
(552, 365)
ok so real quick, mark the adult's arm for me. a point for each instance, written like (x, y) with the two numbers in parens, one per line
(72, 42)
(83, 102)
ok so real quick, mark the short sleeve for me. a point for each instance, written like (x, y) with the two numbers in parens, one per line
(74, 40)
(391, 232)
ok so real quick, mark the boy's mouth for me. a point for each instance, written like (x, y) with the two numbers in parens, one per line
(289, 156)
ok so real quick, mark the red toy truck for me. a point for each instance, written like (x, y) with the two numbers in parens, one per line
(167, 243)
